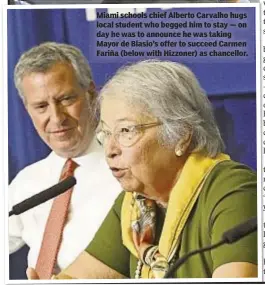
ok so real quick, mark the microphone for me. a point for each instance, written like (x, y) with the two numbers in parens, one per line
(240, 231)
(43, 196)
(229, 237)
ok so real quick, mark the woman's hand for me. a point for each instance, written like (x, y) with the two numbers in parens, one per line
(84, 267)
(32, 274)
(88, 267)
(236, 270)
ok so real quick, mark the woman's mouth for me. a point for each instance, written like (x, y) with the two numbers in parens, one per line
(118, 172)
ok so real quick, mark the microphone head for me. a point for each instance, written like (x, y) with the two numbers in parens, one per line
(44, 196)
(240, 231)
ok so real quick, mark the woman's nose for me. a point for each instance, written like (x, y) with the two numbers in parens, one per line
(111, 147)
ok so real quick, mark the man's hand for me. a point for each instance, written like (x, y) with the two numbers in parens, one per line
(31, 273)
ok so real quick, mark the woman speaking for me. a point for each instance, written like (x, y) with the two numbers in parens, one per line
(181, 192)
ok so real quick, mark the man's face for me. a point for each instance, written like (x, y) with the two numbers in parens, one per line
(59, 109)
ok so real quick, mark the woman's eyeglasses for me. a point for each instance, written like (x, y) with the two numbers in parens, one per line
(124, 135)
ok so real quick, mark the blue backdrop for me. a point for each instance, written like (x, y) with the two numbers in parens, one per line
(230, 84)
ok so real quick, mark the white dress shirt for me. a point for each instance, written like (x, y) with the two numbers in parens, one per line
(92, 197)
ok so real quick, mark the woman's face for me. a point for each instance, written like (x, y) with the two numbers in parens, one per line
(145, 167)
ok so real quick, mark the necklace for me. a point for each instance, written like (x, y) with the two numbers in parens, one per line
(140, 265)
(138, 269)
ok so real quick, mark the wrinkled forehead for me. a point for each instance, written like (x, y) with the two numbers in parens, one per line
(58, 80)
(61, 72)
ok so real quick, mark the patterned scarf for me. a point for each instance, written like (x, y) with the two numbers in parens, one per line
(138, 224)
(143, 234)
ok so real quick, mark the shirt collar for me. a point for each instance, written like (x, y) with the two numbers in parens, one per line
(90, 156)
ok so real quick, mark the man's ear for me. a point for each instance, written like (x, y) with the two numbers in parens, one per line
(92, 87)
(92, 92)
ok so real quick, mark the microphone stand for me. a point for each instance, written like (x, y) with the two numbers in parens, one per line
(180, 261)
(228, 237)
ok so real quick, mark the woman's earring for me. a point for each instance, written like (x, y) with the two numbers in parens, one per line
(178, 152)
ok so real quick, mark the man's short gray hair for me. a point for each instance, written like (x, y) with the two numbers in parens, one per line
(42, 57)
(170, 92)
